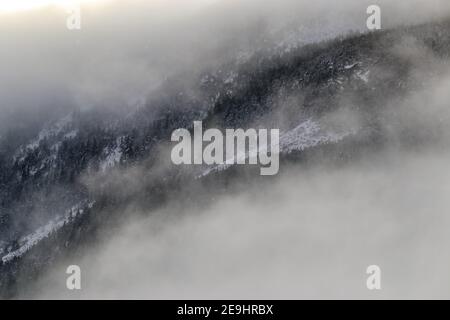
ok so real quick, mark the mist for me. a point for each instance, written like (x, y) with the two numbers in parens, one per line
(311, 232)
(124, 51)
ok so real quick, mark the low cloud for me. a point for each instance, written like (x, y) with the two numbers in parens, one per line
(126, 50)
(313, 231)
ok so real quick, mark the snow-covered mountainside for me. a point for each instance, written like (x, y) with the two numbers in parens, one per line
(46, 194)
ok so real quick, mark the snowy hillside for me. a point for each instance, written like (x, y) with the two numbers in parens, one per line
(46, 193)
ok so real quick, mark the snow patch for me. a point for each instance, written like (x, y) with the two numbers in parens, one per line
(29, 241)
(364, 76)
(46, 133)
(72, 134)
(306, 135)
(113, 155)
(231, 77)
(351, 66)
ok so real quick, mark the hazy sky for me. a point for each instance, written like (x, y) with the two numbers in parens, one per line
(126, 48)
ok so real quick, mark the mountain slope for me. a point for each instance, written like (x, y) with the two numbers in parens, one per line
(58, 189)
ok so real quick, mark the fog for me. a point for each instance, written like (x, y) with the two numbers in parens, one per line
(124, 50)
(312, 234)
(313, 231)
